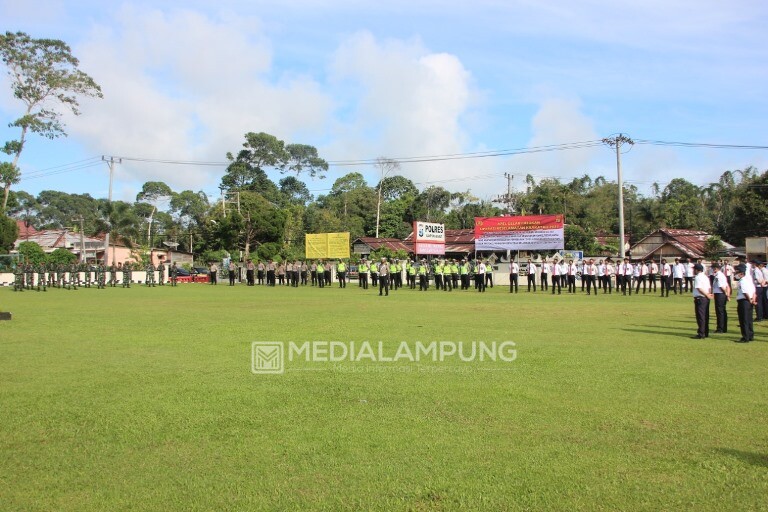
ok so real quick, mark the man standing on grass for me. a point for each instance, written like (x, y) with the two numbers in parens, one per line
(546, 270)
(745, 299)
(760, 285)
(665, 277)
(514, 273)
(556, 278)
(722, 293)
(653, 270)
(531, 276)
(480, 279)
(571, 276)
(320, 274)
(383, 277)
(341, 273)
(261, 270)
(702, 294)
(174, 274)
(590, 274)
(362, 274)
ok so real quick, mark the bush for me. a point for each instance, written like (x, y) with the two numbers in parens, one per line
(31, 252)
(61, 256)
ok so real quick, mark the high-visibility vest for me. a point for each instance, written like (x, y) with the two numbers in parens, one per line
(422, 270)
(363, 269)
(465, 269)
(454, 269)
(439, 270)
(341, 267)
(374, 268)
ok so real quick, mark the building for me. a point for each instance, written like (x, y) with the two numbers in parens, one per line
(673, 243)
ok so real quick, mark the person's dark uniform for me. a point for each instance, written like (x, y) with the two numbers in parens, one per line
(161, 274)
(702, 293)
(174, 272)
(126, 275)
(722, 293)
(745, 300)
(362, 274)
(383, 277)
(531, 276)
(112, 275)
(341, 274)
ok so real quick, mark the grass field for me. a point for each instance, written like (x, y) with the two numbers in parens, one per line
(144, 399)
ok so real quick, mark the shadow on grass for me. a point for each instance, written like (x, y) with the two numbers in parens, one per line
(662, 332)
(756, 459)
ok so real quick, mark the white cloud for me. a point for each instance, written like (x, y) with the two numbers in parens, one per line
(179, 85)
(408, 102)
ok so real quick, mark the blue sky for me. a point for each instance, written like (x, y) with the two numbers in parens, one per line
(361, 79)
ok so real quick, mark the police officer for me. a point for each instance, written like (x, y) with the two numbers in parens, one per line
(362, 274)
(341, 273)
(439, 269)
(423, 275)
(383, 271)
(665, 277)
(261, 270)
(531, 276)
(702, 294)
(745, 299)
(480, 276)
(722, 293)
(514, 274)
(113, 275)
(374, 273)
(320, 274)
(412, 270)
(250, 270)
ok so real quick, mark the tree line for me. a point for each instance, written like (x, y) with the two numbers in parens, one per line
(268, 219)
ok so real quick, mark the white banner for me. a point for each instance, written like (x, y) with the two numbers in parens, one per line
(435, 249)
(428, 232)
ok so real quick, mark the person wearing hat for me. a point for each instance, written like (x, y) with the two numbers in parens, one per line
(722, 292)
(745, 299)
(362, 274)
(702, 294)
(384, 277)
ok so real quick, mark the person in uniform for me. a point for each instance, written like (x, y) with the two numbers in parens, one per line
(327, 277)
(531, 275)
(722, 294)
(546, 271)
(447, 286)
(764, 295)
(161, 273)
(396, 275)
(760, 286)
(439, 274)
(665, 277)
(728, 271)
(745, 299)
(678, 273)
(320, 274)
(362, 274)
(480, 276)
(455, 273)
(296, 273)
(126, 268)
(653, 271)
(271, 273)
(488, 273)
(150, 274)
(213, 272)
(250, 271)
(590, 275)
(374, 269)
(514, 274)
(642, 276)
(464, 270)
(281, 273)
(74, 275)
(571, 269)
(261, 270)
(412, 270)
(101, 276)
(689, 274)
(423, 275)
(341, 273)
(556, 286)
(702, 294)
(231, 272)
(174, 272)
(113, 275)
(383, 270)
(625, 273)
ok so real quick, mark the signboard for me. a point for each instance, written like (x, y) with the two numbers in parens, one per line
(520, 233)
(572, 255)
(428, 238)
(326, 245)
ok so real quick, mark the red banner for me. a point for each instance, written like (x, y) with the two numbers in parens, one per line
(501, 225)
(529, 232)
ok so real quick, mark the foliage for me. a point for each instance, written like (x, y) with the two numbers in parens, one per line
(269, 251)
(713, 247)
(61, 256)
(43, 72)
(31, 252)
(9, 232)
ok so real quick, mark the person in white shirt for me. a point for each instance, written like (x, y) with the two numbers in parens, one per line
(514, 274)
(702, 293)
(590, 275)
(745, 299)
(480, 280)
(678, 273)
(653, 271)
(641, 275)
(764, 296)
(570, 270)
(557, 277)
(688, 274)
(722, 292)
(610, 271)
(624, 273)
(546, 271)
(727, 269)
(531, 275)
(760, 283)
(665, 276)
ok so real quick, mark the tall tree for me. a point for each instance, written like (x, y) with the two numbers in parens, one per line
(9, 232)
(304, 158)
(43, 73)
(262, 151)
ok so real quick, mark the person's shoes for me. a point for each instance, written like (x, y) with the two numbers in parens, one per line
(718, 331)
(697, 337)
(742, 340)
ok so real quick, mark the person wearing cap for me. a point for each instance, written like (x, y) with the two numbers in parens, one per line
(722, 293)
(464, 269)
(455, 273)
(702, 294)
(362, 274)
(374, 268)
(423, 270)
(745, 299)
(383, 277)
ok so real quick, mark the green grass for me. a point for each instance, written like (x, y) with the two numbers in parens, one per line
(143, 399)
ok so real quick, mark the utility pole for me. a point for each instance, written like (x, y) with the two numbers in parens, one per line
(616, 142)
(223, 202)
(509, 177)
(82, 239)
(111, 162)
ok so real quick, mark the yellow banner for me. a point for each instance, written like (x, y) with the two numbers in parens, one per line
(326, 245)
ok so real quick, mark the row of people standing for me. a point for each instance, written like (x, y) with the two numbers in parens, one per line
(75, 275)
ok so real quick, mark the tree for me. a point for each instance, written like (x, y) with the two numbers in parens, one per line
(9, 232)
(153, 192)
(713, 247)
(61, 256)
(31, 252)
(43, 72)
(295, 191)
(262, 150)
(302, 157)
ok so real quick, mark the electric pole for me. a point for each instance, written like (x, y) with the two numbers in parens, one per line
(111, 162)
(82, 238)
(616, 142)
